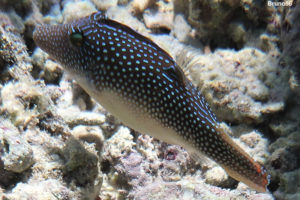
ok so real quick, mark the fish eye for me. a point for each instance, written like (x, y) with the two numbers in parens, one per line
(76, 39)
(174, 73)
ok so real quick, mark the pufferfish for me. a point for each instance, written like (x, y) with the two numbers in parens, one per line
(141, 84)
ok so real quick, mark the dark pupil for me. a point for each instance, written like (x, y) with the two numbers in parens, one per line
(76, 39)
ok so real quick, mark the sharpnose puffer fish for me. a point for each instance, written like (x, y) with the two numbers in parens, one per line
(140, 83)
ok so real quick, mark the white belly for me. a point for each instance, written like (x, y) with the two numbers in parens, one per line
(132, 116)
(135, 118)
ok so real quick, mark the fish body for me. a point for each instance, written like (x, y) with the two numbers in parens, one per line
(139, 83)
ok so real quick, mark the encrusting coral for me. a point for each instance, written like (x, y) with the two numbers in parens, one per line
(71, 148)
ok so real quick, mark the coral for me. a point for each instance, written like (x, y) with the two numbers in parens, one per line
(240, 85)
(13, 52)
(182, 30)
(124, 16)
(161, 17)
(146, 165)
(290, 34)
(30, 152)
(189, 188)
(119, 144)
(47, 189)
(285, 162)
(90, 134)
(51, 72)
(288, 121)
(71, 148)
(138, 6)
(290, 183)
(226, 23)
(81, 168)
(22, 102)
(105, 4)
(16, 156)
(218, 177)
(284, 159)
(22, 8)
(75, 10)
(155, 20)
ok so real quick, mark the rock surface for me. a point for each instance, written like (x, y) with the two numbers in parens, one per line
(58, 143)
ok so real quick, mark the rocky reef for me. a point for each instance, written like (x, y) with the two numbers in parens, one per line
(290, 34)
(58, 143)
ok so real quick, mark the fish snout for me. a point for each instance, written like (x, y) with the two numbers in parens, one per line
(52, 39)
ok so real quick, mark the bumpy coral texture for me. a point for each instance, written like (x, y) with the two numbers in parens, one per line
(71, 148)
